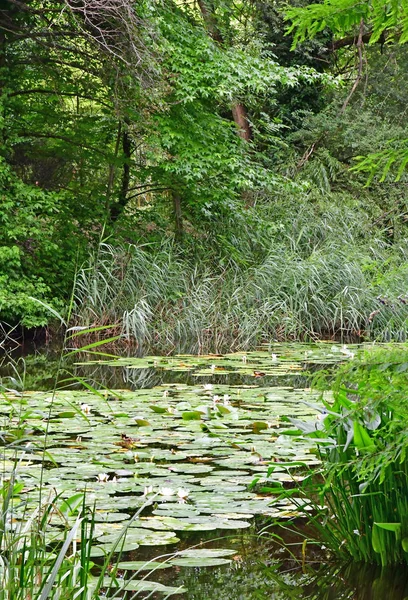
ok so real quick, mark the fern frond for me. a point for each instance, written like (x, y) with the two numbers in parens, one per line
(381, 163)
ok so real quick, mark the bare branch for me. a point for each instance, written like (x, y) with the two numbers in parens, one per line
(118, 30)
(359, 46)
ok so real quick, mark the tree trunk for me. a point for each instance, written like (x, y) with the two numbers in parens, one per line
(178, 219)
(127, 150)
(239, 113)
(207, 12)
(241, 119)
(113, 210)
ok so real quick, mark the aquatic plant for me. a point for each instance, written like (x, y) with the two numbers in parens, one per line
(158, 300)
(47, 536)
(360, 495)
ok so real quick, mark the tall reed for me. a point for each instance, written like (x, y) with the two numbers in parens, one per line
(158, 300)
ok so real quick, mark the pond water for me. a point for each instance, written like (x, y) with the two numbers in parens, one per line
(170, 448)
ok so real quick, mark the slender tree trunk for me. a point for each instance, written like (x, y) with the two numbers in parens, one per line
(127, 150)
(240, 116)
(207, 12)
(178, 219)
(113, 210)
(239, 113)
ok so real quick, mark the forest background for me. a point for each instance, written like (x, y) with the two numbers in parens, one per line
(205, 174)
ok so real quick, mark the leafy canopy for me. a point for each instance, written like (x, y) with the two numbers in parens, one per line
(342, 16)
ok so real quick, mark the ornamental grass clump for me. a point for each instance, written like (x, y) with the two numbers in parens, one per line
(360, 494)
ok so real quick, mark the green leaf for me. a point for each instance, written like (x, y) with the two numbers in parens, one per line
(191, 415)
(70, 506)
(395, 527)
(362, 440)
(160, 410)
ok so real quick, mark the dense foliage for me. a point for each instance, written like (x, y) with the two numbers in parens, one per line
(218, 153)
(360, 495)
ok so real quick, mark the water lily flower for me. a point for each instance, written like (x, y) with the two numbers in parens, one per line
(213, 367)
(208, 386)
(244, 358)
(182, 494)
(86, 409)
(167, 492)
(347, 352)
(148, 490)
(216, 398)
(226, 400)
(274, 357)
(102, 477)
(165, 393)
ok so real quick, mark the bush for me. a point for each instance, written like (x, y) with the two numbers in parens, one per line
(362, 506)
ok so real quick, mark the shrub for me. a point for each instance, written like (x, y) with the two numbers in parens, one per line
(360, 495)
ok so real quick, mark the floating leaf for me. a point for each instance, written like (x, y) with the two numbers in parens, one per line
(200, 562)
(160, 410)
(192, 415)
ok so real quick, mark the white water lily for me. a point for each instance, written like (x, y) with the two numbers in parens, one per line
(148, 490)
(182, 494)
(166, 491)
(244, 358)
(86, 409)
(102, 477)
(208, 386)
(216, 399)
(213, 367)
(347, 352)
(274, 357)
(226, 400)
(165, 393)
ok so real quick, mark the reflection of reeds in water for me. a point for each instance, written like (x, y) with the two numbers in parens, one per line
(159, 302)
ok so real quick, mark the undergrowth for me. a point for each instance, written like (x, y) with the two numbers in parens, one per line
(359, 496)
(304, 285)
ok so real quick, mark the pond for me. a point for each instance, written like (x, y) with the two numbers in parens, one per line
(178, 451)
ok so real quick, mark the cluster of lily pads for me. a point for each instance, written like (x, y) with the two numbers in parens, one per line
(184, 454)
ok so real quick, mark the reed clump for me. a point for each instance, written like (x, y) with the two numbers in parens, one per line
(159, 300)
(360, 495)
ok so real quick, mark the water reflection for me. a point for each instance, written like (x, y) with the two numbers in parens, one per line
(40, 372)
(256, 580)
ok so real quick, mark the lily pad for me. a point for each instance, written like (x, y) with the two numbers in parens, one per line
(140, 565)
(200, 562)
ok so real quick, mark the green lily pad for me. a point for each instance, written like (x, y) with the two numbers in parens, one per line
(140, 565)
(200, 562)
(160, 410)
(142, 586)
(198, 553)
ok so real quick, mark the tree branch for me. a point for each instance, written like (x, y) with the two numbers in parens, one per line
(359, 46)
(57, 93)
(64, 138)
